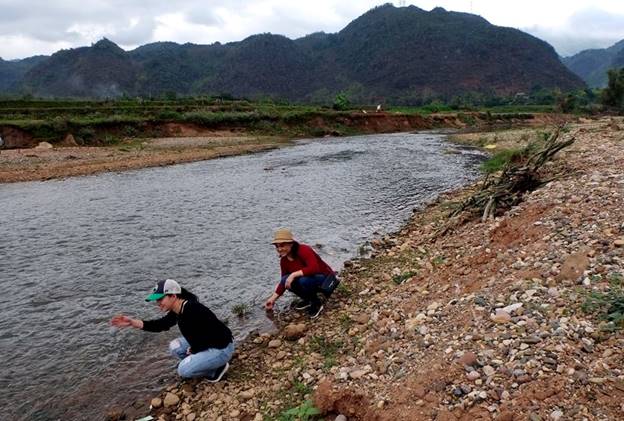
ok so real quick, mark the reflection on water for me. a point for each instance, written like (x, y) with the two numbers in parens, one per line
(77, 251)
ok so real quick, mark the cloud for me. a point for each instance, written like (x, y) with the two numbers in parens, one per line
(584, 29)
(43, 25)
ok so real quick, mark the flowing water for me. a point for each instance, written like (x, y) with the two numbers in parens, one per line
(75, 252)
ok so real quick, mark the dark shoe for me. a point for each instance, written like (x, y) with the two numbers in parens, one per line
(329, 285)
(220, 372)
(314, 310)
(302, 305)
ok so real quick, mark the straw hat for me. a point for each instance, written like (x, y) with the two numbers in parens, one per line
(283, 235)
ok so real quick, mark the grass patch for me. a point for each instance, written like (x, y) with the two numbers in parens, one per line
(345, 321)
(399, 279)
(500, 159)
(241, 310)
(327, 348)
(607, 305)
(304, 412)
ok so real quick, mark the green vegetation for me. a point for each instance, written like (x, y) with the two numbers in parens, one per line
(327, 348)
(613, 94)
(500, 159)
(399, 279)
(608, 305)
(341, 102)
(109, 122)
(241, 310)
(304, 412)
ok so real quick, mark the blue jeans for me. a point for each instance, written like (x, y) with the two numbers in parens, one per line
(306, 287)
(201, 364)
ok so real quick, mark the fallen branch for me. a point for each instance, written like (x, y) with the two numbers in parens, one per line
(519, 176)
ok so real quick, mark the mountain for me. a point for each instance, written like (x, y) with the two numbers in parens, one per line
(403, 55)
(592, 65)
(102, 70)
(12, 72)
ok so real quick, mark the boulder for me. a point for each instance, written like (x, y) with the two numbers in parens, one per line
(43, 146)
(294, 331)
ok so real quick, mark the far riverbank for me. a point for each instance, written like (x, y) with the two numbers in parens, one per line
(181, 143)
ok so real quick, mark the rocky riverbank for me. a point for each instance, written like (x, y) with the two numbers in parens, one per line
(489, 320)
(46, 162)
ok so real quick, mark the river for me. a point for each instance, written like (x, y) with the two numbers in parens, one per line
(74, 252)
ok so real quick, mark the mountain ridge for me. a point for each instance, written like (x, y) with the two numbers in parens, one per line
(592, 65)
(405, 55)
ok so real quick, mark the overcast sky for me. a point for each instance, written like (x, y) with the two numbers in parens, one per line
(31, 27)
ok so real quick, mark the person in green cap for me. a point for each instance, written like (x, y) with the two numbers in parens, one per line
(206, 344)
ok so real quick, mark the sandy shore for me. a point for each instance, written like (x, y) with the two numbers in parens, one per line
(410, 334)
(44, 164)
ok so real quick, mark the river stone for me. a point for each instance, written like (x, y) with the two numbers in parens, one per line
(574, 266)
(43, 146)
(361, 319)
(488, 370)
(294, 331)
(247, 394)
(341, 418)
(275, 343)
(156, 403)
(171, 399)
(69, 140)
(469, 358)
(357, 374)
(512, 308)
(619, 242)
(473, 375)
(501, 317)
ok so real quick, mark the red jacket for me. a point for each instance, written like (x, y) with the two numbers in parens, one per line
(307, 261)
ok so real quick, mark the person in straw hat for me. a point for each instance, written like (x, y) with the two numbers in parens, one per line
(206, 344)
(303, 272)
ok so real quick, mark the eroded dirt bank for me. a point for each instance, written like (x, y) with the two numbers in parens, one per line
(179, 143)
(410, 334)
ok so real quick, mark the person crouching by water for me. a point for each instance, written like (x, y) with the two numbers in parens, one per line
(206, 344)
(303, 272)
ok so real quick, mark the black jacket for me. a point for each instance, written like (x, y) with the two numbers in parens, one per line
(199, 326)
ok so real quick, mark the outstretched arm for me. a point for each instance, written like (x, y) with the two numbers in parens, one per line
(271, 301)
(124, 321)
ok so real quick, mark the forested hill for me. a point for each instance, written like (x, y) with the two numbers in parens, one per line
(404, 55)
(592, 65)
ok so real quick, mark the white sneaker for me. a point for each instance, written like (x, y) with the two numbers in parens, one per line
(219, 374)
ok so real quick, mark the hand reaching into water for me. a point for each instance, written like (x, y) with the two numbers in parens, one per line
(124, 321)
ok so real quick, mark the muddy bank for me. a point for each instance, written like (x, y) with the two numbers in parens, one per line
(483, 322)
(25, 158)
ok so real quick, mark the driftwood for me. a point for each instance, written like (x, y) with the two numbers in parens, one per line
(501, 192)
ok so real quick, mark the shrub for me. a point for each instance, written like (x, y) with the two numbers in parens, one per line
(341, 102)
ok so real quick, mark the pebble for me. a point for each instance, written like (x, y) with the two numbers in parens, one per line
(556, 415)
(489, 370)
(473, 375)
(468, 358)
(501, 317)
(275, 343)
(171, 399)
